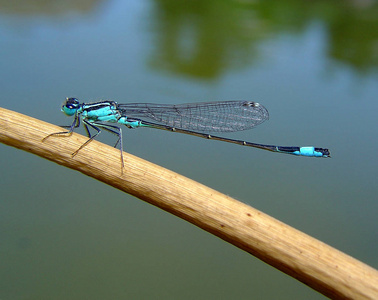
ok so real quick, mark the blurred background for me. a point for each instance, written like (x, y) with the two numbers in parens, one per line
(312, 64)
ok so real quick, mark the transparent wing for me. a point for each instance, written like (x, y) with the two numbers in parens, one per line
(223, 116)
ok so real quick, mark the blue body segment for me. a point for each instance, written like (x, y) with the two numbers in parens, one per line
(308, 151)
(101, 112)
(196, 119)
(130, 124)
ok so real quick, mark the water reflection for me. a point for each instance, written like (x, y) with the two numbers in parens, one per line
(353, 38)
(43, 7)
(202, 38)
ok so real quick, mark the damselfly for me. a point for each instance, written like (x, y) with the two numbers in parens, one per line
(198, 119)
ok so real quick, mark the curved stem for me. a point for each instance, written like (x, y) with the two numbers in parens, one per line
(312, 262)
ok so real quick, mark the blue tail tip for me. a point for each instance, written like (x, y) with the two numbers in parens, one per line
(315, 152)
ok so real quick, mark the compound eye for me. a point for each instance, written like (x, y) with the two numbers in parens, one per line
(70, 106)
(72, 103)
